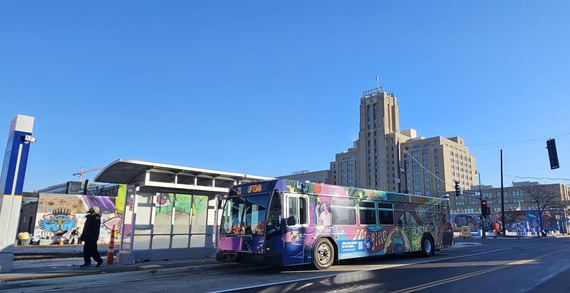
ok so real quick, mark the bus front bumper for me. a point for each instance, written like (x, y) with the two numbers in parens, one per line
(226, 256)
(249, 258)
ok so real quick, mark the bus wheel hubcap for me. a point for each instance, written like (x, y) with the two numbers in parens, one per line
(324, 254)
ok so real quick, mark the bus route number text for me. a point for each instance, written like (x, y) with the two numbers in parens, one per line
(254, 188)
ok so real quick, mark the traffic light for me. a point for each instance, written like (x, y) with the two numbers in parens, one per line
(457, 188)
(488, 210)
(484, 208)
(552, 154)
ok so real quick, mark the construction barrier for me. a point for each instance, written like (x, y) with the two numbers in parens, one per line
(111, 251)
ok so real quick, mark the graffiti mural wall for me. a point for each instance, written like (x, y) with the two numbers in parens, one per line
(526, 223)
(59, 215)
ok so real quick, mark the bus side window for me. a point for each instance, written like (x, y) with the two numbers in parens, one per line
(386, 213)
(292, 218)
(298, 211)
(343, 212)
(303, 211)
(367, 213)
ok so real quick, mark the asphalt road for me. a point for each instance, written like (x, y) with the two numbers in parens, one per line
(485, 265)
(474, 265)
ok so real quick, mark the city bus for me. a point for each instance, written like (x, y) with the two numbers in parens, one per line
(285, 223)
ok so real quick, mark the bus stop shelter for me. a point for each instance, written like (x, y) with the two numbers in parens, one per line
(169, 211)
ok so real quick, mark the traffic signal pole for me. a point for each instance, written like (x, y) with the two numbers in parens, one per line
(483, 209)
(502, 199)
(483, 215)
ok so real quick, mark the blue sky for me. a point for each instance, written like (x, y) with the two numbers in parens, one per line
(269, 88)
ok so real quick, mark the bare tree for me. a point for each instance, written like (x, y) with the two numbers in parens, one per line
(544, 198)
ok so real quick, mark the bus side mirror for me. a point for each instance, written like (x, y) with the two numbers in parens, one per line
(291, 221)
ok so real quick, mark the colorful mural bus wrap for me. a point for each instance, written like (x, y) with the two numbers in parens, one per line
(283, 222)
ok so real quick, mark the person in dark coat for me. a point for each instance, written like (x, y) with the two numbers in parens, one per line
(90, 235)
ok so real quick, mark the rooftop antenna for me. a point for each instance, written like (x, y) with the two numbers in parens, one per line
(378, 84)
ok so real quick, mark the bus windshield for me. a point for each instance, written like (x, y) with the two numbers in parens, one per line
(245, 215)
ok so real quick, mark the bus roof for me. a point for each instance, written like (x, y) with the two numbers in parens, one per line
(306, 187)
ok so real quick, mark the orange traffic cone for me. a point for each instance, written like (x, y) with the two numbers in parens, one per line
(111, 251)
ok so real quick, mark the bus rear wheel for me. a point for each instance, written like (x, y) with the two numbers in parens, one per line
(323, 254)
(428, 247)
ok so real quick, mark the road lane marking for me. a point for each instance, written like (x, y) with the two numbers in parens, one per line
(385, 266)
(472, 274)
(392, 266)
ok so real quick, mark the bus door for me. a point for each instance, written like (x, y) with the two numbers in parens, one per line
(274, 228)
(296, 220)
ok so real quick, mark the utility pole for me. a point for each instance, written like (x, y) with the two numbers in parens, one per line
(502, 198)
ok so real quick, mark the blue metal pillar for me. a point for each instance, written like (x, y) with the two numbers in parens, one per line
(11, 184)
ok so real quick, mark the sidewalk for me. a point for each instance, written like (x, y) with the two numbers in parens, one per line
(37, 265)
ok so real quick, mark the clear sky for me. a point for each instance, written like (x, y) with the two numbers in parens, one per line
(270, 87)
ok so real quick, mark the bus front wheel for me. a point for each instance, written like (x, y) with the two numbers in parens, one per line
(428, 247)
(323, 254)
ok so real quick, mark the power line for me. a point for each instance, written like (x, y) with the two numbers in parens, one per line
(517, 141)
(449, 185)
(541, 178)
(425, 168)
(506, 142)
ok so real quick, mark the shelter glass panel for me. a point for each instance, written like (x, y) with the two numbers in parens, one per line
(180, 241)
(160, 241)
(199, 241)
(144, 217)
(141, 242)
(179, 208)
(199, 209)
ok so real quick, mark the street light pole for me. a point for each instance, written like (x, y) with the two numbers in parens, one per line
(406, 191)
(481, 204)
